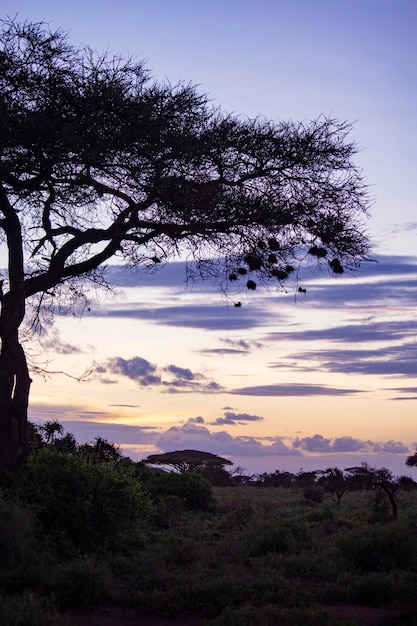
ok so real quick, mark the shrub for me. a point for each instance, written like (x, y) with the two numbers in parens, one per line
(267, 536)
(21, 558)
(83, 582)
(236, 517)
(191, 488)
(380, 548)
(313, 496)
(28, 609)
(373, 589)
(274, 616)
(17, 534)
(84, 506)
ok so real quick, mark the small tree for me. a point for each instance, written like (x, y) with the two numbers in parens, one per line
(98, 161)
(334, 481)
(51, 434)
(380, 479)
(275, 479)
(101, 451)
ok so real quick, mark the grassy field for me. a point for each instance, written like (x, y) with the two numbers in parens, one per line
(254, 556)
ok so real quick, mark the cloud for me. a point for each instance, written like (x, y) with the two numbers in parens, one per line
(197, 437)
(294, 389)
(222, 352)
(393, 447)
(137, 369)
(231, 419)
(367, 330)
(259, 453)
(236, 346)
(346, 445)
(127, 406)
(204, 316)
(171, 377)
(410, 391)
(87, 430)
(51, 340)
(317, 443)
(172, 275)
(196, 420)
(391, 360)
(243, 344)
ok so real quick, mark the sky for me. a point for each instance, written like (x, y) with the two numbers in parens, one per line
(324, 379)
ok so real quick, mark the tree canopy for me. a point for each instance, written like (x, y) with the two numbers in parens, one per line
(188, 460)
(411, 460)
(99, 161)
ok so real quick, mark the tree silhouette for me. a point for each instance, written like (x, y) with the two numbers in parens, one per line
(98, 161)
(381, 479)
(185, 461)
(412, 460)
(335, 482)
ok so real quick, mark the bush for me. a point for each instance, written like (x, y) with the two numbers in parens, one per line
(191, 488)
(381, 548)
(313, 496)
(17, 534)
(83, 506)
(28, 610)
(82, 582)
(273, 616)
(21, 558)
(373, 589)
(267, 536)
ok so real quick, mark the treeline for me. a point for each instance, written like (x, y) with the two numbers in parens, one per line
(182, 472)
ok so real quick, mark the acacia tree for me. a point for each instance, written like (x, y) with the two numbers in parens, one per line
(98, 160)
(380, 479)
(185, 461)
(334, 481)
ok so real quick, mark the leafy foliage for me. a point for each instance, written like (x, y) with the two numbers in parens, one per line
(192, 489)
(83, 506)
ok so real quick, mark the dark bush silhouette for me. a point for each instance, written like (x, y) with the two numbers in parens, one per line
(192, 489)
(83, 506)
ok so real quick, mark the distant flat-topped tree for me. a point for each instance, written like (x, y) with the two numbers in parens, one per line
(183, 461)
(99, 162)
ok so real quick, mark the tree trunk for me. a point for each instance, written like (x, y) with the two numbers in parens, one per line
(14, 374)
(14, 398)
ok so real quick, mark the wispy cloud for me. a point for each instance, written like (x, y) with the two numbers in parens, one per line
(51, 340)
(192, 315)
(234, 346)
(294, 389)
(364, 331)
(390, 360)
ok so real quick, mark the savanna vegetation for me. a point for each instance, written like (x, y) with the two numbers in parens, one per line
(83, 527)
